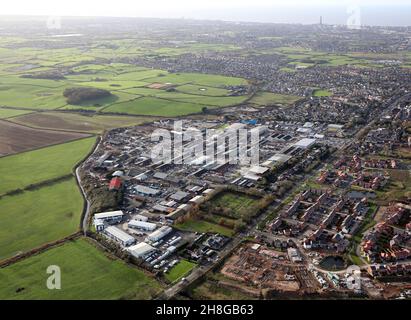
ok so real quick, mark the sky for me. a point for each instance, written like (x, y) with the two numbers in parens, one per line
(384, 12)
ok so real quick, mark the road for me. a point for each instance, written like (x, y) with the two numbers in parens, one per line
(84, 223)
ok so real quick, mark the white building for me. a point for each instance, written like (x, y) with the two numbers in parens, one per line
(142, 225)
(110, 217)
(159, 234)
(119, 236)
(146, 191)
(305, 143)
(141, 250)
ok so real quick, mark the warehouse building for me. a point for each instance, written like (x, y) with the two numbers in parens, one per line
(119, 236)
(111, 217)
(305, 143)
(146, 191)
(159, 234)
(142, 225)
(141, 250)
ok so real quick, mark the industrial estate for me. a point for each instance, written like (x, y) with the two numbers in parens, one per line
(324, 213)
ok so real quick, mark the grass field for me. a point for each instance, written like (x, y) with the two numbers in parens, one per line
(79, 122)
(233, 201)
(155, 107)
(86, 274)
(205, 226)
(180, 270)
(8, 113)
(26, 96)
(211, 80)
(268, 98)
(322, 93)
(21, 170)
(32, 218)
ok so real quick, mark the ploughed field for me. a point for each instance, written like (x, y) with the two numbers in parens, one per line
(15, 138)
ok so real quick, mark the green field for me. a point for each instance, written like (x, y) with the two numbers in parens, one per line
(268, 98)
(8, 113)
(26, 96)
(205, 226)
(180, 270)
(33, 218)
(86, 274)
(20, 170)
(322, 93)
(155, 107)
(197, 79)
(234, 201)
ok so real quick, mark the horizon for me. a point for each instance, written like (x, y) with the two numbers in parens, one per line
(294, 12)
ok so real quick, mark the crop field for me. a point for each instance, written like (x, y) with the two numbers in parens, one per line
(180, 270)
(33, 218)
(15, 138)
(86, 273)
(268, 98)
(79, 122)
(20, 170)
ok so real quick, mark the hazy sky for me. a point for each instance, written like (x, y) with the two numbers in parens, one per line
(303, 11)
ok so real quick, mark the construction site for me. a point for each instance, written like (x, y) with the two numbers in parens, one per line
(255, 267)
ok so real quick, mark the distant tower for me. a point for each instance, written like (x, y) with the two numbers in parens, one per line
(321, 20)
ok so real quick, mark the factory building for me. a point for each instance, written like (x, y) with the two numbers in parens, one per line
(141, 250)
(119, 236)
(159, 234)
(142, 225)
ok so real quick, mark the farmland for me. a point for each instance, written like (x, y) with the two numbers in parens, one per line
(79, 122)
(8, 113)
(19, 171)
(32, 218)
(87, 274)
(15, 138)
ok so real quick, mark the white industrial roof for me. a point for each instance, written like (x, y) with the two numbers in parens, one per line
(142, 224)
(146, 190)
(119, 234)
(280, 157)
(140, 250)
(305, 143)
(258, 170)
(107, 215)
(160, 233)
